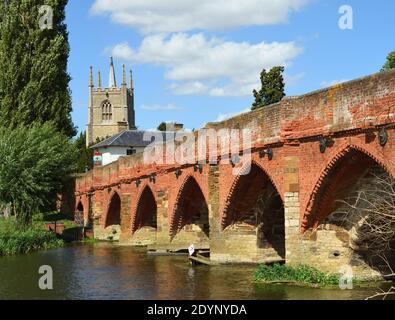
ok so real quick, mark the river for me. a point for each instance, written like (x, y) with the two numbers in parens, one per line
(106, 271)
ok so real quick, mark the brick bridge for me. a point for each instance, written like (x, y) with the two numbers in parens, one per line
(323, 143)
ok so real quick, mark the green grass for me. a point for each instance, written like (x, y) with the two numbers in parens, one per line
(15, 241)
(300, 275)
(71, 230)
(53, 217)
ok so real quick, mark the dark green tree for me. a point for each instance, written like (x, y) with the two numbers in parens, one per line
(34, 50)
(390, 63)
(272, 90)
(162, 126)
(85, 154)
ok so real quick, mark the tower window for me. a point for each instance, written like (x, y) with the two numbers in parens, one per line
(106, 111)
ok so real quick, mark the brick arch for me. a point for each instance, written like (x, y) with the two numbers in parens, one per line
(80, 206)
(82, 201)
(79, 210)
(113, 211)
(146, 203)
(233, 190)
(321, 201)
(190, 187)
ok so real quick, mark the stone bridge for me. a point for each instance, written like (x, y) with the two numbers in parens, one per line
(323, 145)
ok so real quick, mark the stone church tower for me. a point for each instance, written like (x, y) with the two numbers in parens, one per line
(111, 109)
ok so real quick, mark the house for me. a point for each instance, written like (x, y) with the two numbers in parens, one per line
(128, 142)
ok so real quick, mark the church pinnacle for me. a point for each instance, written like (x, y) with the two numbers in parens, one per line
(98, 79)
(112, 83)
(91, 77)
(123, 76)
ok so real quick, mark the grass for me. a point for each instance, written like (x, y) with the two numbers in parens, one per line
(300, 275)
(71, 230)
(53, 217)
(15, 241)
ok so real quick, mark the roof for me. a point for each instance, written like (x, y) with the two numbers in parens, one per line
(127, 138)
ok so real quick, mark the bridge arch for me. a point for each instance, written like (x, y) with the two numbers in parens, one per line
(255, 204)
(190, 208)
(79, 213)
(246, 173)
(340, 174)
(145, 214)
(113, 215)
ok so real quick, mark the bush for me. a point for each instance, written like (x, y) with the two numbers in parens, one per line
(17, 241)
(301, 274)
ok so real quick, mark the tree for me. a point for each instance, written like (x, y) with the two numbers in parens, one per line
(85, 155)
(162, 126)
(390, 63)
(272, 90)
(370, 212)
(34, 83)
(35, 162)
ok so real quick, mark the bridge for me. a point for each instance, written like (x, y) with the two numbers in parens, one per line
(307, 152)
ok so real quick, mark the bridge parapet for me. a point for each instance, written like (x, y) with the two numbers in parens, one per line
(358, 104)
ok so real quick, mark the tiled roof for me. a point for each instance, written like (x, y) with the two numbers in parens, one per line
(127, 138)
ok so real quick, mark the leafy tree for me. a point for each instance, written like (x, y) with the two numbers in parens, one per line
(162, 126)
(35, 161)
(34, 83)
(85, 154)
(390, 63)
(272, 90)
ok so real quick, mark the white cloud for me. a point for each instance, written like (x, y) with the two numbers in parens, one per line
(325, 84)
(157, 107)
(189, 88)
(159, 16)
(225, 116)
(199, 65)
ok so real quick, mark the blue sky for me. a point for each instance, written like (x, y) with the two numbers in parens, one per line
(197, 61)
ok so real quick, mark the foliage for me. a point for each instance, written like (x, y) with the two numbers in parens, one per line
(35, 162)
(71, 231)
(301, 274)
(85, 154)
(162, 126)
(272, 90)
(52, 217)
(16, 241)
(34, 83)
(390, 63)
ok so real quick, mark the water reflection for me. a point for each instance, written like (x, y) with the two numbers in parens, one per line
(106, 271)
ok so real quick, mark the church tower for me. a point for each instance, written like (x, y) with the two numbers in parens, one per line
(111, 109)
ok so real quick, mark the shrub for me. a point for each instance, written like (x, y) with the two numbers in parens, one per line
(17, 241)
(301, 274)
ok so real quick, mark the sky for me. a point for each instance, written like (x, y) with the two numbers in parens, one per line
(198, 61)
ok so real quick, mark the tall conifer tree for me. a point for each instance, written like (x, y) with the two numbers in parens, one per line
(273, 88)
(34, 83)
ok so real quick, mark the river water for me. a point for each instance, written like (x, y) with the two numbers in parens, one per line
(106, 271)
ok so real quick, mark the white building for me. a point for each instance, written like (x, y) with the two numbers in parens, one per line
(126, 143)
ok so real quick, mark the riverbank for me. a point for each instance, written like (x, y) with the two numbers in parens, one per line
(300, 275)
(21, 241)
